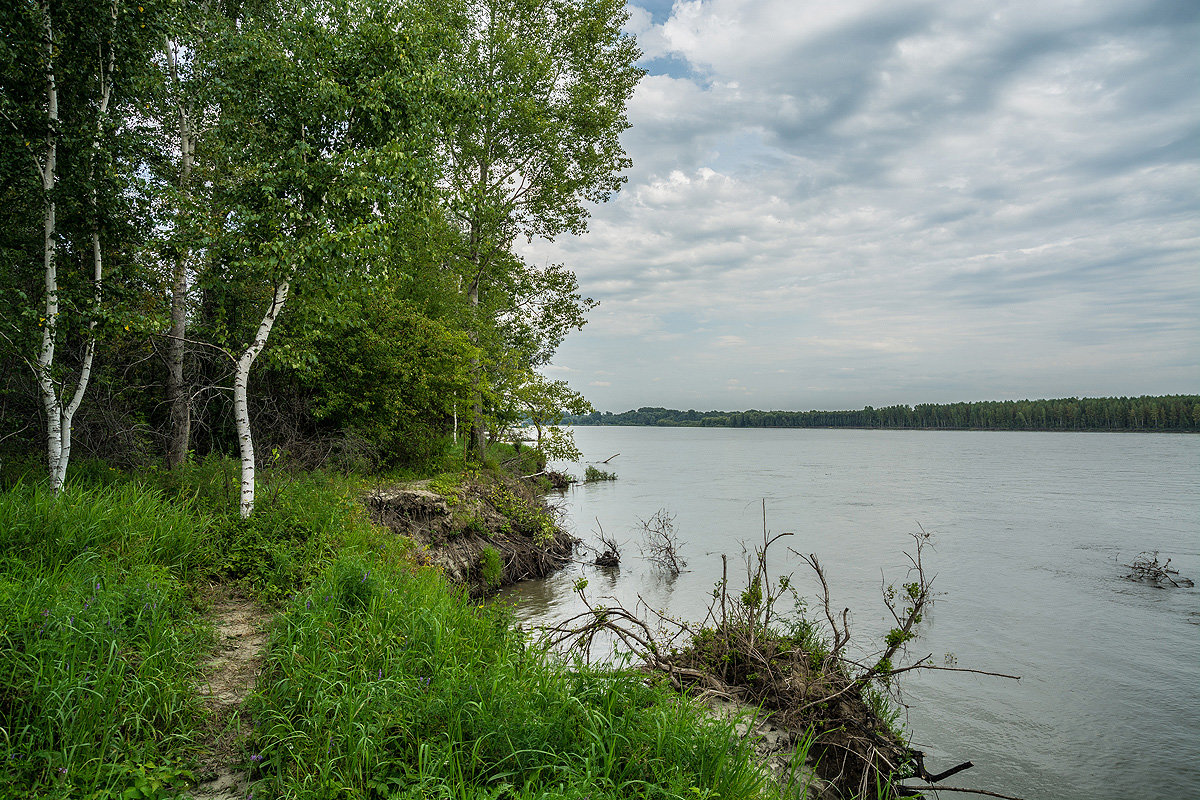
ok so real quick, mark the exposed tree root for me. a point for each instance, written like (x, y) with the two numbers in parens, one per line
(500, 513)
(748, 652)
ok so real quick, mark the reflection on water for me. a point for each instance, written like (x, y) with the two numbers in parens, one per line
(1029, 530)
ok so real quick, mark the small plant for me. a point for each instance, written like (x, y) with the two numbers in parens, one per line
(491, 568)
(595, 474)
(476, 526)
(529, 519)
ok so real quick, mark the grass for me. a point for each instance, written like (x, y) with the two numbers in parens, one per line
(384, 682)
(381, 681)
(99, 644)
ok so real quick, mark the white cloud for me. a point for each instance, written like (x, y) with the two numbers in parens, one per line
(871, 202)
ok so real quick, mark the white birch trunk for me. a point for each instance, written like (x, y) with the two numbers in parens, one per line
(58, 416)
(45, 362)
(59, 476)
(241, 406)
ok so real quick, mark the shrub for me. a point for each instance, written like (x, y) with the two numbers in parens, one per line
(594, 474)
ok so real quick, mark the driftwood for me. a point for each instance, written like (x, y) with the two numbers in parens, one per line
(1146, 569)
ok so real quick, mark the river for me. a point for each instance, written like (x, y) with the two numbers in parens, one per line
(1030, 532)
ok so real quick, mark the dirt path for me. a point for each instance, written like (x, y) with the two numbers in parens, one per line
(241, 646)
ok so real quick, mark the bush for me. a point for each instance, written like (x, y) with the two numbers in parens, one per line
(593, 474)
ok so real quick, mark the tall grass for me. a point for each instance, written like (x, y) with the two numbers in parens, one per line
(381, 681)
(384, 682)
(99, 646)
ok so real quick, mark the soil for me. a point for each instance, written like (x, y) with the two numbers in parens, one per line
(454, 531)
(230, 674)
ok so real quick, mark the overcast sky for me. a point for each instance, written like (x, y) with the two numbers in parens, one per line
(836, 204)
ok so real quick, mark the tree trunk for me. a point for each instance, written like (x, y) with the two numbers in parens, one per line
(241, 405)
(58, 416)
(178, 395)
(45, 360)
(476, 438)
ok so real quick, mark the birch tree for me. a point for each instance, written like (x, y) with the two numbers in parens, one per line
(325, 108)
(66, 105)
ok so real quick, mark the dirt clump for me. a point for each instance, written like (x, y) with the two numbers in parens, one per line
(483, 531)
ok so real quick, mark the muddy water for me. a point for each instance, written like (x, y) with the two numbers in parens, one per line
(1030, 533)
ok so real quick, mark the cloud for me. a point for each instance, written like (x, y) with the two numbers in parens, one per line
(871, 202)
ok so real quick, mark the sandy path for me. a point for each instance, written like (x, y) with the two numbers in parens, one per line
(230, 675)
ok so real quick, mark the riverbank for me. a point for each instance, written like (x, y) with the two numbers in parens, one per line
(375, 676)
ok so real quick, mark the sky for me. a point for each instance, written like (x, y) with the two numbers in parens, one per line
(841, 204)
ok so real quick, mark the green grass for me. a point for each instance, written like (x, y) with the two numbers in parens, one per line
(99, 645)
(381, 680)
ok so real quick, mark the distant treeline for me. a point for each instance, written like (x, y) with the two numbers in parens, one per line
(1170, 413)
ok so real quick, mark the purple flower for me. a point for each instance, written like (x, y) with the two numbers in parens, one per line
(256, 757)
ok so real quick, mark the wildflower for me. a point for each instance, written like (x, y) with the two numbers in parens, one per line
(256, 757)
(308, 605)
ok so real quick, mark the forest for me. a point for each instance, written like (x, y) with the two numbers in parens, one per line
(274, 229)
(1171, 413)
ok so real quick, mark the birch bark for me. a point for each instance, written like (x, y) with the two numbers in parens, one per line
(241, 406)
(45, 362)
(59, 417)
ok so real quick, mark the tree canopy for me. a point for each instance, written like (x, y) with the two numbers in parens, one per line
(328, 192)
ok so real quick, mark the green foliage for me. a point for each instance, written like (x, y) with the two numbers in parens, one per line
(491, 567)
(529, 518)
(374, 369)
(99, 648)
(428, 695)
(593, 474)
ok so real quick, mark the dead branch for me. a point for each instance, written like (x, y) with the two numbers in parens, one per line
(1145, 568)
(660, 543)
(798, 676)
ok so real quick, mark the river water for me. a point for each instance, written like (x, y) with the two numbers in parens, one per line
(1030, 532)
